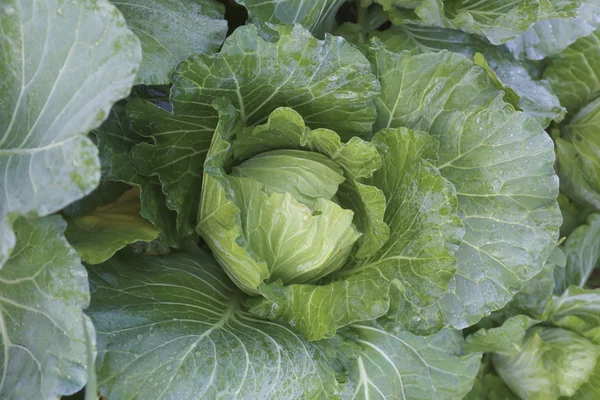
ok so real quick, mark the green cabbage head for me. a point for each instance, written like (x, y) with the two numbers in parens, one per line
(293, 199)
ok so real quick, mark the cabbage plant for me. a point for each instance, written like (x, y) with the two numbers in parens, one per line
(290, 199)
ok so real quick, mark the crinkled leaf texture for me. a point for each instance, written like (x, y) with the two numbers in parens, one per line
(531, 95)
(500, 162)
(316, 16)
(100, 234)
(172, 326)
(43, 289)
(328, 82)
(172, 30)
(64, 65)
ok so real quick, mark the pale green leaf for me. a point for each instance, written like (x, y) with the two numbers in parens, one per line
(510, 96)
(591, 389)
(506, 339)
(98, 235)
(297, 243)
(573, 73)
(318, 16)
(533, 96)
(547, 38)
(63, 66)
(525, 372)
(569, 357)
(172, 327)
(499, 160)
(497, 20)
(172, 30)
(404, 366)
(578, 310)
(43, 289)
(307, 176)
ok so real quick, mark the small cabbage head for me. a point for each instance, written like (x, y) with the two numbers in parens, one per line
(285, 203)
(578, 151)
(554, 362)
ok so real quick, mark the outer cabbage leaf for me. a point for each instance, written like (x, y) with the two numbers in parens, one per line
(536, 293)
(582, 251)
(501, 164)
(100, 234)
(549, 37)
(577, 151)
(43, 289)
(172, 30)
(316, 16)
(499, 21)
(532, 96)
(328, 82)
(506, 339)
(572, 74)
(63, 66)
(172, 326)
(404, 366)
(417, 257)
(115, 138)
